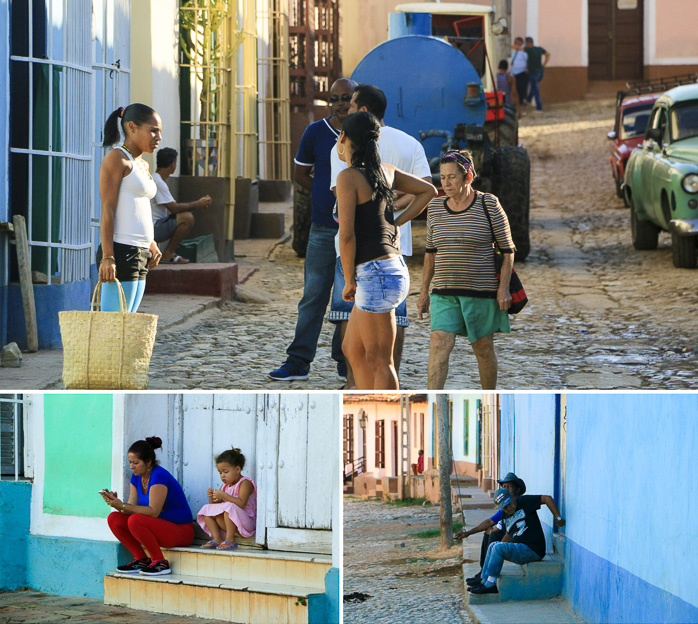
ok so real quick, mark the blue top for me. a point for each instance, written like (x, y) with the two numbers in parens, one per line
(176, 509)
(316, 144)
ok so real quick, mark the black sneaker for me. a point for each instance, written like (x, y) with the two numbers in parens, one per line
(156, 568)
(135, 566)
(479, 589)
(474, 580)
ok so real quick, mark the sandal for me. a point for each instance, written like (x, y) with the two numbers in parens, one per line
(227, 546)
(176, 260)
(210, 545)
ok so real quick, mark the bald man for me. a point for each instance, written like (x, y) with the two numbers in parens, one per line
(314, 152)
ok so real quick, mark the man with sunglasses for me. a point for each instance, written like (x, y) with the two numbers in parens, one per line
(314, 153)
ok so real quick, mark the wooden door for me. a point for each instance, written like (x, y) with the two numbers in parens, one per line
(615, 39)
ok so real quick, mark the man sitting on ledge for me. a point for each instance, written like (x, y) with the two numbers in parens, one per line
(523, 541)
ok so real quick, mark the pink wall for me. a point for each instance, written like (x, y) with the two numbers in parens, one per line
(676, 29)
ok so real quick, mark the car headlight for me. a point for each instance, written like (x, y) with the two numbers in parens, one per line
(690, 183)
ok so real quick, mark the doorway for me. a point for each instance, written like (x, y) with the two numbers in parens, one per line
(615, 39)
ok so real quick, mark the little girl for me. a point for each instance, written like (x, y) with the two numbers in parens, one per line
(231, 509)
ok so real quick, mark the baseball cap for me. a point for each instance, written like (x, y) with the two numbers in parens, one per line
(502, 498)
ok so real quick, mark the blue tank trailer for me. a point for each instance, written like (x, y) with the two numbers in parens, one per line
(432, 69)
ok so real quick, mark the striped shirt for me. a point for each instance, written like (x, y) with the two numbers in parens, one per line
(462, 242)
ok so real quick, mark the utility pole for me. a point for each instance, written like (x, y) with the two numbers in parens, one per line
(444, 451)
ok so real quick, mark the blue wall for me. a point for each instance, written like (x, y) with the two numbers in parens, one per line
(90, 561)
(630, 534)
(49, 300)
(15, 502)
(324, 608)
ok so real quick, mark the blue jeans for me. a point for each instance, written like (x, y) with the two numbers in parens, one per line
(500, 551)
(340, 309)
(534, 89)
(317, 286)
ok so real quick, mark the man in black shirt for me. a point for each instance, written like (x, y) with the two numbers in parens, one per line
(524, 540)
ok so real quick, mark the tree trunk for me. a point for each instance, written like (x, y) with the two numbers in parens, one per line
(444, 452)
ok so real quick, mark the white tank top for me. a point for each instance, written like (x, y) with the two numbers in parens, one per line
(133, 222)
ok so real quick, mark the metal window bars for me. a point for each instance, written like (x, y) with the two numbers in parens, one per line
(51, 159)
(11, 436)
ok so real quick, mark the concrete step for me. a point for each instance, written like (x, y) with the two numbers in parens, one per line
(210, 597)
(215, 279)
(532, 581)
(247, 586)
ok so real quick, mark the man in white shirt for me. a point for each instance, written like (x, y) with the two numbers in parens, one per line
(404, 152)
(171, 220)
(519, 64)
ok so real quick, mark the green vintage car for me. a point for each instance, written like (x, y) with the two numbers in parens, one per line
(661, 177)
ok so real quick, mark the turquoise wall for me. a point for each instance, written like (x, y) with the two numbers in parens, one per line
(324, 608)
(627, 499)
(15, 502)
(78, 452)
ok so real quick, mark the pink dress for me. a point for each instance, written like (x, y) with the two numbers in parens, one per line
(244, 519)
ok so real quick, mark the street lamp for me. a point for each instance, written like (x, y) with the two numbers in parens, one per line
(363, 420)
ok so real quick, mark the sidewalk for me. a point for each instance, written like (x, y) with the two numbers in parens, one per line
(33, 607)
(43, 370)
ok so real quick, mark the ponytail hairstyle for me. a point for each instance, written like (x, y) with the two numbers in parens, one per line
(145, 449)
(233, 457)
(363, 130)
(137, 113)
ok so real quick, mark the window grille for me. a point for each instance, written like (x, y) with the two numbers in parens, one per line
(348, 439)
(11, 436)
(50, 132)
(466, 426)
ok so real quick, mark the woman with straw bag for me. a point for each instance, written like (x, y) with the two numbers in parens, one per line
(128, 247)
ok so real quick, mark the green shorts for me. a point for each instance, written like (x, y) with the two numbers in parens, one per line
(474, 317)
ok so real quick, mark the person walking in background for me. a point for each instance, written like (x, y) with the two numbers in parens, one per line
(127, 249)
(375, 273)
(171, 220)
(519, 64)
(537, 60)
(399, 149)
(314, 151)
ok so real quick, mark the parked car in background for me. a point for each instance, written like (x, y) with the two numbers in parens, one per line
(632, 114)
(661, 178)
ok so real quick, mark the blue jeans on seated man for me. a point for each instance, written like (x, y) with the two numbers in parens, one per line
(340, 309)
(317, 287)
(499, 552)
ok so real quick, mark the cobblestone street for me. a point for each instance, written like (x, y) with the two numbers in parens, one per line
(32, 607)
(601, 314)
(408, 579)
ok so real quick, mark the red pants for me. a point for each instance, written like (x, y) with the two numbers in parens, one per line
(137, 529)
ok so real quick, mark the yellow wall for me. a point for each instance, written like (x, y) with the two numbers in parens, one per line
(154, 65)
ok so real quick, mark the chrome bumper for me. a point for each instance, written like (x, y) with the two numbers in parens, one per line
(684, 227)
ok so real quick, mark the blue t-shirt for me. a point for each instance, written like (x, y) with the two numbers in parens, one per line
(176, 509)
(316, 144)
(497, 519)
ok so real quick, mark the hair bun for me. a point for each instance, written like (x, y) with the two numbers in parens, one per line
(155, 442)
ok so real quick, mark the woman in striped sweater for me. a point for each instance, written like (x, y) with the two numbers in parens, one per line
(467, 298)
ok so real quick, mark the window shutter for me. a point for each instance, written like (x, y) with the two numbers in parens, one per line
(8, 435)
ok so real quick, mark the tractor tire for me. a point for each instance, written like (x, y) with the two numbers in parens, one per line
(645, 233)
(511, 181)
(508, 128)
(684, 251)
(302, 216)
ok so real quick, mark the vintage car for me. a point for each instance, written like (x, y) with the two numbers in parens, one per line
(632, 114)
(661, 177)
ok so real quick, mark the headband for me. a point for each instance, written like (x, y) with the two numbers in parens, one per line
(460, 159)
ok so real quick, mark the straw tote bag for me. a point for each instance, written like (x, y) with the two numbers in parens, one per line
(107, 350)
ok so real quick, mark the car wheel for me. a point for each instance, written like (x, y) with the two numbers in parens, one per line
(619, 181)
(684, 251)
(511, 172)
(645, 233)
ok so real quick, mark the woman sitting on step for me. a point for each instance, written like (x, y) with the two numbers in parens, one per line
(156, 515)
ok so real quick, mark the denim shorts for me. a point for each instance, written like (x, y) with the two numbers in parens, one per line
(340, 309)
(381, 284)
(164, 228)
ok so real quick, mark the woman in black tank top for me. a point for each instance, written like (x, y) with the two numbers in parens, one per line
(376, 277)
